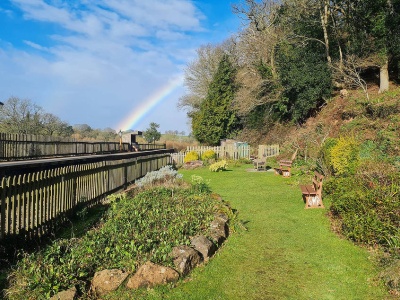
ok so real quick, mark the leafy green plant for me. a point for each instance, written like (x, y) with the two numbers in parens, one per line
(190, 156)
(132, 232)
(367, 208)
(200, 184)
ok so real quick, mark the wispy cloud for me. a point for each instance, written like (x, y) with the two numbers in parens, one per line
(8, 12)
(36, 46)
(111, 54)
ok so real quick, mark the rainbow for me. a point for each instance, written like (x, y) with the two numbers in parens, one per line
(139, 113)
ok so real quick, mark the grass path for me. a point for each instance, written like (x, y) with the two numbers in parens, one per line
(287, 252)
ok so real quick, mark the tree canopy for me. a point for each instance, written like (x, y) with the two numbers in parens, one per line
(152, 134)
(287, 58)
(216, 119)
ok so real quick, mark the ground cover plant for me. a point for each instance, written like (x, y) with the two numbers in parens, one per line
(134, 230)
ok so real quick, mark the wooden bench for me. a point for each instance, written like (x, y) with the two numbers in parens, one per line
(312, 194)
(284, 168)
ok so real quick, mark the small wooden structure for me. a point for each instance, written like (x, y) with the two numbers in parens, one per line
(312, 194)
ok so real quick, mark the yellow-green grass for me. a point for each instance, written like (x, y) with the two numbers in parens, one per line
(287, 253)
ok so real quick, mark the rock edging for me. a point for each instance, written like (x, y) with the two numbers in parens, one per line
(185, 259)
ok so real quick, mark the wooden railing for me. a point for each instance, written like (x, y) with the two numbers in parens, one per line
(143, 147)
(38, 194)
(26, 146)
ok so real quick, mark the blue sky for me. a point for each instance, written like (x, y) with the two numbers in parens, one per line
(94, 61)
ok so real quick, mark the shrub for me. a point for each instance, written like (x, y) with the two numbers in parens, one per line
(219, 166)
(166, 174)
(326, 152)
(345, 156)
(190, 156)
(367, 208)
(209, 154)
(341, 156)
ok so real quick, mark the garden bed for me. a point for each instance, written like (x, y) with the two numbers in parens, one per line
(139, 228)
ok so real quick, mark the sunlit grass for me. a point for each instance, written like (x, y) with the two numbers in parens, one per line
(287, 252)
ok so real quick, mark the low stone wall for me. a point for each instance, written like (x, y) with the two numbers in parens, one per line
(148, 275)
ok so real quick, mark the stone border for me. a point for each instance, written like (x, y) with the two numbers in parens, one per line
(185, 259)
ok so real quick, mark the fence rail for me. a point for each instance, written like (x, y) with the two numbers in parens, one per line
(230, 152)
(37, 195)
(268, 150)
(143, 147)
(27, 146)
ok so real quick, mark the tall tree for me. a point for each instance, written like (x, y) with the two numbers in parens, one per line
(375, 33)
(152, 134)
(216, 118)
(200, 72)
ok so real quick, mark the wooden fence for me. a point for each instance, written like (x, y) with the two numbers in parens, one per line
(230, 152)
(143, 147)
(37, 195)
(27, 146)
(178, 158)
(268, 150)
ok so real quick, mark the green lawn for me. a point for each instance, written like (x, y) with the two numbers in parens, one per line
(287, 252)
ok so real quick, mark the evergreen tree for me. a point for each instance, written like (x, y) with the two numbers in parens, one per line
(152, 134)
(216, 119)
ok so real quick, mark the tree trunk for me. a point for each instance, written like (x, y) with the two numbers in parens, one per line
(273, 69)
(324, 22)
(384, 77)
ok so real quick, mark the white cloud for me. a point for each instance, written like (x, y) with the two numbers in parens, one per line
(36, 46)
(9, 13)
(115, 54)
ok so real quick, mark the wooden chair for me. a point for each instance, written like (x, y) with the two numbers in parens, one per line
(260, 163)
(312, 194)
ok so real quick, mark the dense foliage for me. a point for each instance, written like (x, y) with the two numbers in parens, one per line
(287, 57)
(22, 116)
(216, 119)
(306, 81)
(341, 156)
(152, 134)
(132, 232)
(209, 154)
(190, 156)
(368, 211)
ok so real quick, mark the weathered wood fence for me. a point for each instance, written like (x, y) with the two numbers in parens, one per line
(151, 146)
(268, 150)
(230, 152)
(27, 146)
(37, 195)
(178, 158)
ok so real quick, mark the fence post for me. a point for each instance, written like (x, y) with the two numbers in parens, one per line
(74, 200)
(125, 176)
(3, 207)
